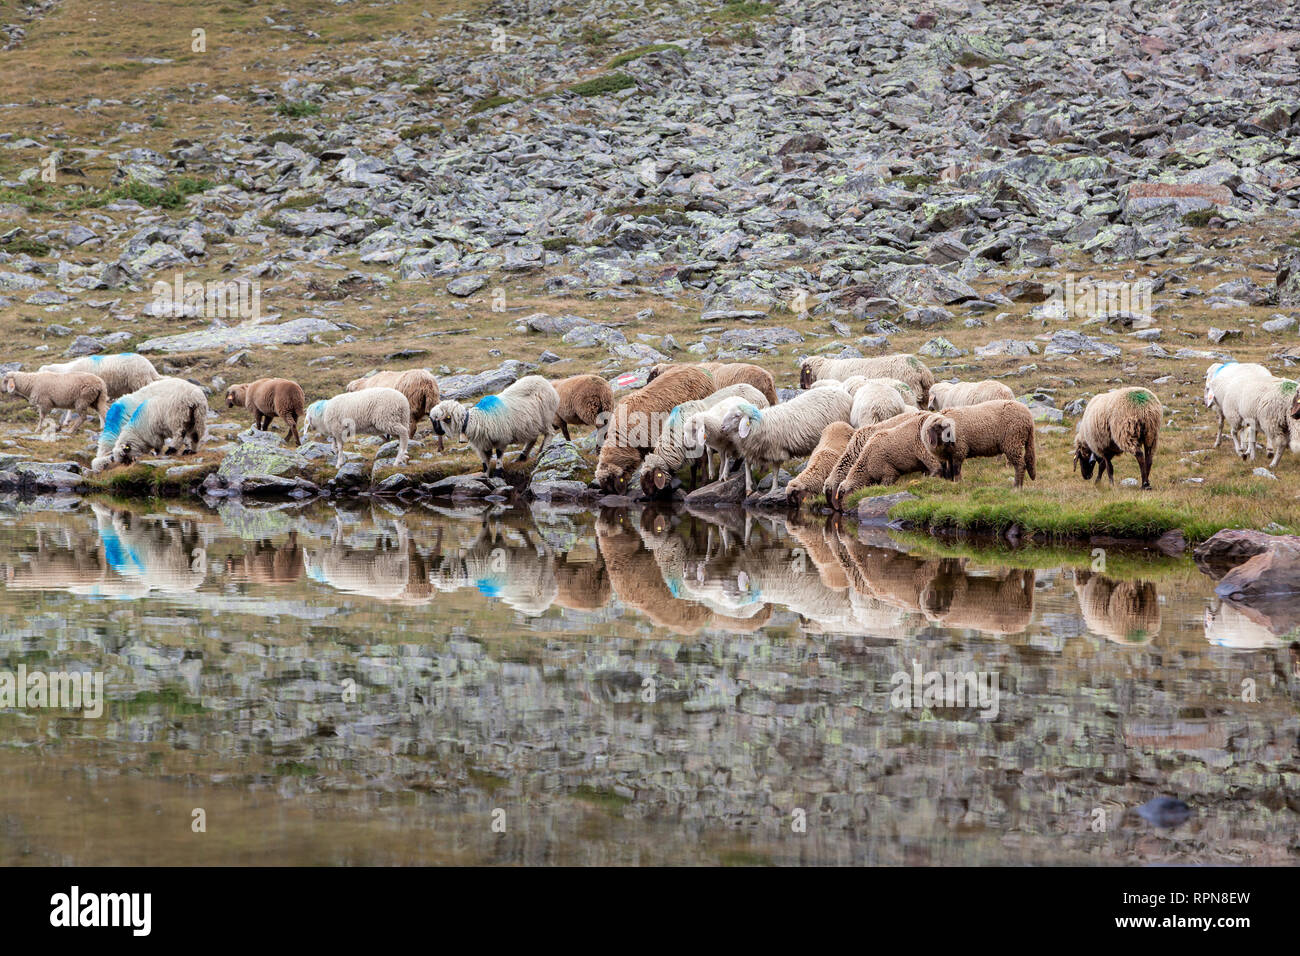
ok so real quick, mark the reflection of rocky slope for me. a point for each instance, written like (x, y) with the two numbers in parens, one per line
(746, 722)
(1127, 612)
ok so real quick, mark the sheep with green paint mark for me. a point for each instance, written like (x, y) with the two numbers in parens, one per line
(1114, 422)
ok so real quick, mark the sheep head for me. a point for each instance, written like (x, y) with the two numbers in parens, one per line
(1084, 460)
(9, 384)
(613, 479)
(236, 395)
(805, 376)
(447, 418)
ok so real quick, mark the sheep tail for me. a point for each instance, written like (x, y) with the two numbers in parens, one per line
(1031, 456)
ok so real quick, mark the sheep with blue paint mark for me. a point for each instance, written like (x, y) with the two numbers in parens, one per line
(678, 441)
(520, 414)
(370, 411)
(170, 414)
(122, 374)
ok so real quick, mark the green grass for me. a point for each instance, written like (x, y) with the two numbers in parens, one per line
(1198, 217)
(605, 799)
(29, 201)
(1137, 563)
(995, 510)
(600, 85)
(297, 109)
(420, 129)
(638, 52)
(283, 136)
(172, 700)
(299, 202)
(744, 10)
(912, 180)
(21, 245)
(491, 103)
(170, 197)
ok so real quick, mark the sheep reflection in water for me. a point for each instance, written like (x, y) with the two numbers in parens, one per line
(1126, 612)
(130, 556)
(394, 570)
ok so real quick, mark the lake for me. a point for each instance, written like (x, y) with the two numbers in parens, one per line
(380, 684)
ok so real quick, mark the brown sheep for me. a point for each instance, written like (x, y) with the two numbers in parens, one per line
(853, 449)
(78, 392)
(825, 456)
(268, 398)
(584, 400)
(1114, 422)
(726, 374)
(635, 423)
(888, 455)
(418, 385)
(1001, 427)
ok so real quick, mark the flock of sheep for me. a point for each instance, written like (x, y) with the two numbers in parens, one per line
(858, 422)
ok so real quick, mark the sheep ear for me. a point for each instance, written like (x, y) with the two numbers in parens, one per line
(660, 479)
(742, 428)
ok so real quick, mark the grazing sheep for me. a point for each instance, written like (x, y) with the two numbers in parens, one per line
(1223, 381)
(635, 423)
(808, 483)
(1231, 389)
(417, 384)
(999, 427)
(907, 368)
(726, 374)
(874, 401)
(269, 398)
(855, 382)
(584, 400)
(678, 441)
(171, 413)
(371, 411)
(122, 374)
(888, 455)
(853, 449)
(767, 438)
(956, 394)
(1265, 403)
(78, 392)
(523, 412)
(1114, 422)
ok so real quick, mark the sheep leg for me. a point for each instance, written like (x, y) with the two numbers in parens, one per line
(1218, 436)
(1110, 471)
(1247, 447)
(1144, 465)
(338, 447)
(564, 430)
(403, 436)
(546, 440)
(291, 431)
(528, 450)
(749, 477)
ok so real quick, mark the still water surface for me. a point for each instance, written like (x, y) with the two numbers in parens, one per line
(382, 685)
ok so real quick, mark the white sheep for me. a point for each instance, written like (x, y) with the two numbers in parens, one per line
(1265, 404)
(169, 414)
(874, 401)
(908, 368)
(521, 413)
(78, 392)
(1224, 381)
(677, 441)
(960, 394)
(770, 437)
(370, 411)
(705, 429)
(122, 374)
